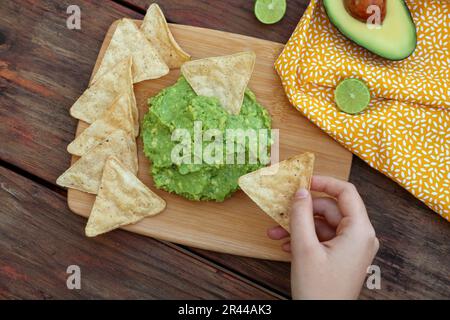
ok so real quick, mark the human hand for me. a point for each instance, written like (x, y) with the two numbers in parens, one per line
(332, 241)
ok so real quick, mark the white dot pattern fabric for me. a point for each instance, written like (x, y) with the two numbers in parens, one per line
(405, 132)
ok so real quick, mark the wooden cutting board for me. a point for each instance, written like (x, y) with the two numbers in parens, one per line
(236, 226)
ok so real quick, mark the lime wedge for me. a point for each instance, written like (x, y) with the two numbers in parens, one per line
(352, 96)
(270, 11)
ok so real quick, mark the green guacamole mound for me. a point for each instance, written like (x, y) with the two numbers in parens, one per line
(179, 107)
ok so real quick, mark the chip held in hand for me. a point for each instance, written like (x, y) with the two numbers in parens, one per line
(272, 188)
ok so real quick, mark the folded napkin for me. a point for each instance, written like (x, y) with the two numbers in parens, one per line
(405, 132)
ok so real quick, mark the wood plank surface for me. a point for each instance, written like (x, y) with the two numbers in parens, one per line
(44, 67)
(236, 226)
(414, 241)
(138, 268)
(235, 16)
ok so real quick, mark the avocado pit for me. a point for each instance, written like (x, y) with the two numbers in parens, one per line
(358, 9)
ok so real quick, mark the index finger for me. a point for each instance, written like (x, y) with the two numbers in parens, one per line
(348, 198)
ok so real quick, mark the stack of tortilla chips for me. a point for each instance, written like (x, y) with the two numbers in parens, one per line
(108, 165)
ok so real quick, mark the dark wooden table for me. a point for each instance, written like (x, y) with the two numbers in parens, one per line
(44, 67)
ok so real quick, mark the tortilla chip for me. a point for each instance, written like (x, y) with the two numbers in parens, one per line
(157, 31)
(272, 188)
(86, 173)
(134, 108)
(122, 199)
(224, 77)
(118, 116)
(128, 40)
(101, 94)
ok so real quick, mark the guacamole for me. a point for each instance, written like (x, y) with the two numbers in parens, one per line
(179, 107)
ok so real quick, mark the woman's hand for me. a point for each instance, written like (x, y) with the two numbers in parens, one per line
(332, 241)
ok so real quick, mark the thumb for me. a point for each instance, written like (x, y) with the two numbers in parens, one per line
(303, 232)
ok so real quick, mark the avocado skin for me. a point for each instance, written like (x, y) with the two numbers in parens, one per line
(380, 54)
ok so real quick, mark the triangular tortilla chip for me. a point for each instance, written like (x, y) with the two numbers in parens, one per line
(122, 199)
(118, 116)
(129, 40)
(96, 99)
(86, 173)
(224, 77)
(134, 108)
(272, 188)
(157, 31)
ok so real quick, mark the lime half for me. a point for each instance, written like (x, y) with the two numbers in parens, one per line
(270, 11)
(352, 96)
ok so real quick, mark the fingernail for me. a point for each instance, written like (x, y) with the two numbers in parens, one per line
(302, 193)
(286, 246)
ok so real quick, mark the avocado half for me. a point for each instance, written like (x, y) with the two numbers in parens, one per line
(396, 39)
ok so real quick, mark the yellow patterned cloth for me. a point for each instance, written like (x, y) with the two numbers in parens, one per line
(405, 132)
